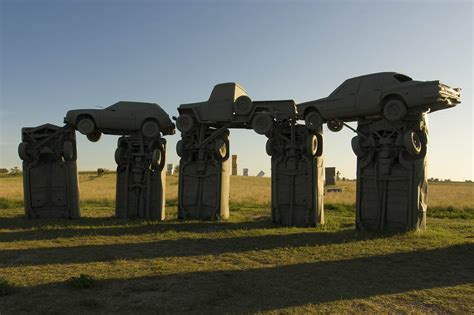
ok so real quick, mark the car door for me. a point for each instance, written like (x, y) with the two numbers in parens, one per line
(341, 103)
(368, 98)
(219, 110)
(118, 118)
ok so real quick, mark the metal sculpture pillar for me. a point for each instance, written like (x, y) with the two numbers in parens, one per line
(297, 175)
(141, 177)
(49, 172)
(204, 173)
(391, 174)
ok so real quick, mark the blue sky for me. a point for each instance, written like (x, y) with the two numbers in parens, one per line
(60, 55)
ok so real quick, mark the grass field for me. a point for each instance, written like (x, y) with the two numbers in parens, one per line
(244, 264)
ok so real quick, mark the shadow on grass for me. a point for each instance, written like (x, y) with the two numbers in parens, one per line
(109, 226)
(183, 247)
(47, 229)
(264, 289)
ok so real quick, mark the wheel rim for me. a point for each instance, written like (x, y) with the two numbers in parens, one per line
(156, 156)
(86, 126)
(335, 125)
(313, 121)
(394, 110)
(150, 129)
(416, 142)
(222, 149)
(184, 123)
(312, 145)
(262, 124)
(243, 105)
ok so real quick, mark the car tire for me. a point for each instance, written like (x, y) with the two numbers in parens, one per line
(319, 152)
(118, 155)
(222, 149)
(151, 129)
(262, 124)
(394, 110)
(22, 151)
(243, 105)
(313, 121)
(94, 137)
(185, 123)
(180, 148)
(68, 151)
(312, 144)
(412, 142)
(335, 125)
(156, 158)
(269, 147)
(357, 148)
(86, 125)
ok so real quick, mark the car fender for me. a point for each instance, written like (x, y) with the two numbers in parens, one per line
(392, 93)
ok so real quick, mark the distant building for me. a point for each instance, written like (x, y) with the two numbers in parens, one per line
(330, 175)
(169, 169)
(234, 164)
(246, 172)
(260, 174)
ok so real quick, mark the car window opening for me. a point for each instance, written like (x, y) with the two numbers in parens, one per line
(402, 78)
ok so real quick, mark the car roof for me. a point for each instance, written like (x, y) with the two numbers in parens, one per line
(123, 104)
(231, 84)
(378, 74)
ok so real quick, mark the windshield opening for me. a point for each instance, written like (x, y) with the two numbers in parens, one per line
(402, 78)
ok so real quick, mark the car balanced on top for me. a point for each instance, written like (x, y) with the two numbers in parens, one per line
(230, 106)
(120, 119)
(388, 94)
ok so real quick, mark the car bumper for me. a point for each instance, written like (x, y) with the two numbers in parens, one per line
(444, 97)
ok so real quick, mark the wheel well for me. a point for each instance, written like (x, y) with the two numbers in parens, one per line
(308, 110)
(151, 119)
(188, 111)
(82, 116)
(391, 97)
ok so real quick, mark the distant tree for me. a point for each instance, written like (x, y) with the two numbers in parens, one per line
(3, 171)
(15, 171)
(102, 171)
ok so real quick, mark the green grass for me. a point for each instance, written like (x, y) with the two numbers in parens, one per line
(245, 264)
(6, 288)
(98, 264)
(82, 282)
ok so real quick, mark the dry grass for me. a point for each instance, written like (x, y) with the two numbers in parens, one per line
(248, 190)
(98, 264)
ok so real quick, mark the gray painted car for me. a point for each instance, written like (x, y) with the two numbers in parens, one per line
(230, 106)
(387, 94)
(120, 119)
